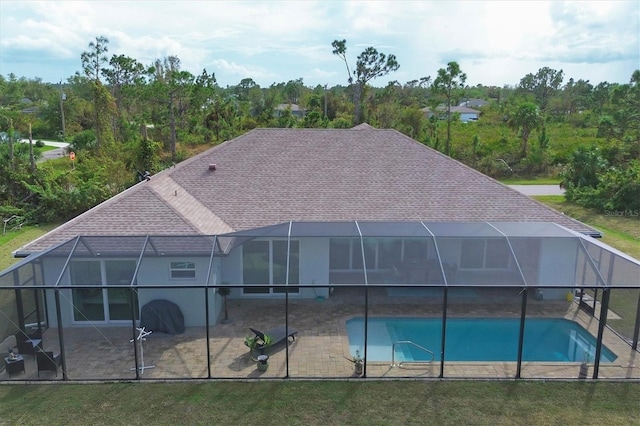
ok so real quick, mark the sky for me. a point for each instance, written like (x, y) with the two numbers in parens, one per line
(496, 43)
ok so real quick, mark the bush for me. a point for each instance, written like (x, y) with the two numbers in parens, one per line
(84, 140)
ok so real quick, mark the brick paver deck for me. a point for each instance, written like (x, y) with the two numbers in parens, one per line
(106, 353)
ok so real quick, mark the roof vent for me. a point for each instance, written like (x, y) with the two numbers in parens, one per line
(212, 167)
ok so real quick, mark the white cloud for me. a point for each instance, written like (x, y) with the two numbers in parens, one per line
(282, 40)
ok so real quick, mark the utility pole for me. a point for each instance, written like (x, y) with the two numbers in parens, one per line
(62, 98)
(11, 132)
(325, 101)
(33, 163)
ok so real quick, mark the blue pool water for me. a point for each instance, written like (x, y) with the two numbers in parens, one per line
(475, 339)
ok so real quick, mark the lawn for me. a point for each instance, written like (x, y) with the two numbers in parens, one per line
(529, 181)
(356, 402)
(14, 239)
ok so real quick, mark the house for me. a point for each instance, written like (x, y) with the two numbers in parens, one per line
(466, 114)
(307, 207)
(296, 110)
(474, 103)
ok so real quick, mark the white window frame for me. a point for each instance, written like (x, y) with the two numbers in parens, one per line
(188, 267)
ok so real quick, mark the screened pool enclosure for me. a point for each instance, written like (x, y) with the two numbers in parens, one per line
(412, 299)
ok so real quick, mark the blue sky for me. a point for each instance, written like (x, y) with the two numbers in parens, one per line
(495, 43)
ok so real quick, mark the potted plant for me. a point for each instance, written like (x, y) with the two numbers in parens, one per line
(584, 365)
(224, 292)
(256, 343)
(358, 362)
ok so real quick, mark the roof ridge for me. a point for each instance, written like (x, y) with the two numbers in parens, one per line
(189, 208)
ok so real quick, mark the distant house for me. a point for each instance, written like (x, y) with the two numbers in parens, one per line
(28, 107)
(296, 110)
(474, 103)
(466, 114)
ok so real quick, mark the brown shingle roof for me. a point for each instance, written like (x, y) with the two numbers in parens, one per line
(270, 176)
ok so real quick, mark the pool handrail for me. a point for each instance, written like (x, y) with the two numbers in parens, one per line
(409, 342)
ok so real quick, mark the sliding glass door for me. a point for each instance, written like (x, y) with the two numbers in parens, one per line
(96, 303)
(265, 262)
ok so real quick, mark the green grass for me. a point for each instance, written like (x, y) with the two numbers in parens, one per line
(531, 181)
(46, 148)
(320, 403)
(14, 239)
(620, 232)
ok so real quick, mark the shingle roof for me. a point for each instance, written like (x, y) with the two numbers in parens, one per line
(270, 176)
(459, 109)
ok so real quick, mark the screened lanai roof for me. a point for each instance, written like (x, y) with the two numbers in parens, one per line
(514, 253)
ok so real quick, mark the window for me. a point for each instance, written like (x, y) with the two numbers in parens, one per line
(339, 250)
(498, 254)
(265, 262)
(472, 254)
(369, 253)
(345, 254)
(492, 253)
(183, 270)
(94, 302)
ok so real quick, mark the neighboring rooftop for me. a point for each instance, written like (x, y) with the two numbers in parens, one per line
(270, 176)
(474, 103)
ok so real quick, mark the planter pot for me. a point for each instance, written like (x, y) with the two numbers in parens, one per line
(263, 363)
(358, 369)
(584, 371)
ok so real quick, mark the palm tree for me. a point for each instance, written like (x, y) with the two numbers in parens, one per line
(447, 83)
(525, 118)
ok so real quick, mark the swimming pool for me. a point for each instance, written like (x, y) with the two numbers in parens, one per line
(475, 339)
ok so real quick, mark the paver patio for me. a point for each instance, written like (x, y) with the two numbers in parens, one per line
(106, 353)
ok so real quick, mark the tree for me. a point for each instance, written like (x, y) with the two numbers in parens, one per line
(543, 85)
(92, 61)
(172, 89)
(577, 95)
(123, 73)
(584, 168)
(370, 64)
(524, 119)
(625, 112)
(447, 82)
(293, 90)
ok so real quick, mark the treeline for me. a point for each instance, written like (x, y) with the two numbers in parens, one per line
(124, 117)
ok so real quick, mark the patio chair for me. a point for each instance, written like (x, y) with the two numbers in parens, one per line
(47, 361)
(264, 340)
(27, 345)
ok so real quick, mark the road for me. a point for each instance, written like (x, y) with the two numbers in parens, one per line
(538, 189)
(60, 151)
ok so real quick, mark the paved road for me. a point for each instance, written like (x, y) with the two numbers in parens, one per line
(54, 153)
(538, 189)
(60, 151)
